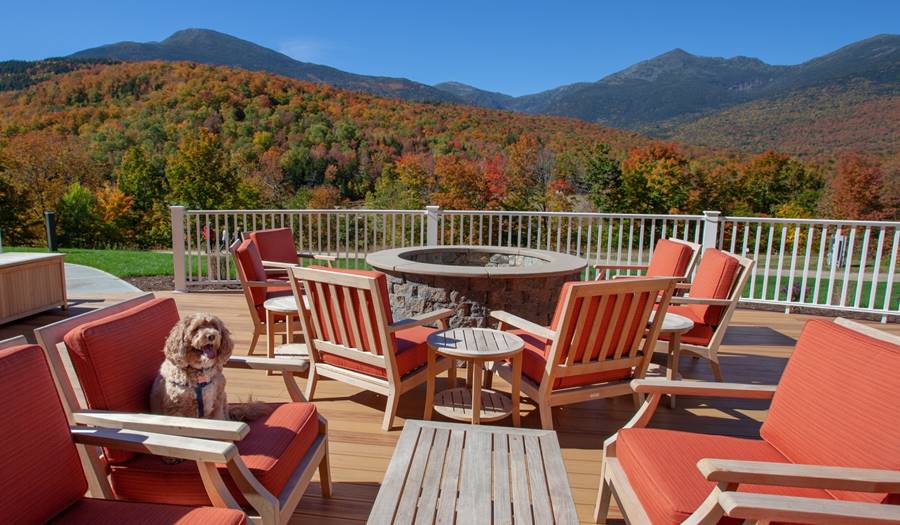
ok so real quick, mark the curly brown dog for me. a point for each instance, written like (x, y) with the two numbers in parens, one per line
(190, 381)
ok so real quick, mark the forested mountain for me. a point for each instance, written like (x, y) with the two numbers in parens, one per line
(18, 74)
(111, 146)
(212, 47)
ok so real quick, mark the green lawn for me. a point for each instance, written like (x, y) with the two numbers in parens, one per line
(121, 263)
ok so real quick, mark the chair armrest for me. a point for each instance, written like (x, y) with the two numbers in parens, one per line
(765, 507)
(700, 300)
(696, 388)
(806, 476)
(523, 324)
(316, 256)
(683, 286)
(266, 284)
(179, 426)
(156, 444)
(277, 265)
(275, 364)
(421, 319)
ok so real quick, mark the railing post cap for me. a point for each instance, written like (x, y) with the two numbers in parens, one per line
(432, 207)
(712, 213)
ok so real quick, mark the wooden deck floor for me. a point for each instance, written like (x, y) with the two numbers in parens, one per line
(756, 349)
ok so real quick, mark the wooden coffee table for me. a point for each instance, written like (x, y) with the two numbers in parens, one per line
(475, 346)
(454, 473)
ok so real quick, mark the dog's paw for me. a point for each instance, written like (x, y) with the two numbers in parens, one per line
(172, 461)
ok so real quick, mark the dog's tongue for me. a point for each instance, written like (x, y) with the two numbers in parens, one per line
(209, 352)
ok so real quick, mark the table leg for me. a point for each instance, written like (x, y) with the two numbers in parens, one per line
(289, 326)
(270, 333)
(674, 358)
(429, 385)
(516, 386)
(476, 391)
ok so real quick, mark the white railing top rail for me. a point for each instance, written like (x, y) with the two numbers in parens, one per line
(816, 222)
(308, 211)
(585, 214)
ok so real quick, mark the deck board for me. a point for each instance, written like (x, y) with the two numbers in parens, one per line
(756, 349)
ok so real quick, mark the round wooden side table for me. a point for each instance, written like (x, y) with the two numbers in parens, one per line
(475, 346)
(674, 325)
(285, 307)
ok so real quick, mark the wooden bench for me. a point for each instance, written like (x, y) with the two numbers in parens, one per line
(457, 473)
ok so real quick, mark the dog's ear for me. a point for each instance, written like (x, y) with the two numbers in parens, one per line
(226, 344)
(179, 341)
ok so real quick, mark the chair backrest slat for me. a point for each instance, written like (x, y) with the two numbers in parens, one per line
(595, 320)
(624, 341)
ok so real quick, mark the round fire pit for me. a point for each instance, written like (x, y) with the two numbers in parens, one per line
(473, 280)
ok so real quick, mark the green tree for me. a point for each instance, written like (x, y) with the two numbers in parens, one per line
(198, 173)
(78, 220)
(15, 227)
(772, 179)
(655, 179)
(141, 178)
(604, 178)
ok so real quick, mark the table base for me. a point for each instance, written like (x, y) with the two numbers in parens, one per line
(456, 403)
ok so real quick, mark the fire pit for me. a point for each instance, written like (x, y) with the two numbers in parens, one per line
(473, 280)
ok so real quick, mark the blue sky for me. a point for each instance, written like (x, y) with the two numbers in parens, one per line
(514, 47)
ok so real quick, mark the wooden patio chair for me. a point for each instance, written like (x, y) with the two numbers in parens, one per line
(829, 450)
(600, 339)
(278, 251)
(104, 363)
(258, 286)
(710, 302)
(42, 478)
(670, 258)
(356, 339)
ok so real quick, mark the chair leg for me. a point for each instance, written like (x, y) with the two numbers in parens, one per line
(546, 415)
(638, 400)
(604, 495)
(311, 380)
(716, 370)
(253, 343)
(390, 409)
(325, 474)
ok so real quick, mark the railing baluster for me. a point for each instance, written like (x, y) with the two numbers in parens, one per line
(780, 263)
(848, 263)
(860, 277)
(810, 238)
(876, 267)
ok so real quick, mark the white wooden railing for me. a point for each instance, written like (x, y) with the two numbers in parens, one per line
(838, 265)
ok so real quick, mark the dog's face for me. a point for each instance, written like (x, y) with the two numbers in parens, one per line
(199, 341)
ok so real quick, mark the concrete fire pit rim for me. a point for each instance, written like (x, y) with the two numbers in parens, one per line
(554, 263)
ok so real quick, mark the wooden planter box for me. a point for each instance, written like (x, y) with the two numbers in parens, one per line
(30, 283)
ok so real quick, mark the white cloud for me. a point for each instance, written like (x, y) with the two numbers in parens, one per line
(305, 49)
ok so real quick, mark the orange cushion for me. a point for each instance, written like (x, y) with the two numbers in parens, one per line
(713, 280)
(117, 358)
(89, 511)
(412, 353)
(534, 362)
(661, 466)
(837, 403)
(41, 473)
(670, 259)
(248, 258)
(700, 334)
(272, 451)
(275, 245)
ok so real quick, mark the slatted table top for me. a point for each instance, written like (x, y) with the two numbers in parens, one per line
(475, 343)
(465, 474)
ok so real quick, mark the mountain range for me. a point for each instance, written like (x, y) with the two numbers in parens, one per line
(849, 98)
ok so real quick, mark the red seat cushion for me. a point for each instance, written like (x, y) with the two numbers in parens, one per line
(670, 259)
(534, 362)
(276, 245)
(117, 358)
(41, 473)
(89, 511)
(714, 280)
(412, 354)
(837, 403)
(661, 466)
(247, 256)
(700, 334)
(272, 451)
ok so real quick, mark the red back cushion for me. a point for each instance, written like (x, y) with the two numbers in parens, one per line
(670, 259)
(117, 358)
(611, 329)
(275, 245)
(837, 403)
(41, 474)
(250, 261)
(331, 331)
(714, 280)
